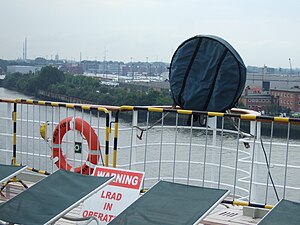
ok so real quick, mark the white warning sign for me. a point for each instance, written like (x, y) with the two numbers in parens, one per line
(116, 196)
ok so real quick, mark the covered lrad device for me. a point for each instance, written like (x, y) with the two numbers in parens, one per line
(206, 74)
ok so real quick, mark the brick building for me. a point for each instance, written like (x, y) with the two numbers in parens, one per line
(259, 102)
(289, 98)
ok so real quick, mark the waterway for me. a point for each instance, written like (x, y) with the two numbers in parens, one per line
(8, 94)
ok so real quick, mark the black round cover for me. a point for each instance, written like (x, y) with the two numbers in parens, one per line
(206, 74)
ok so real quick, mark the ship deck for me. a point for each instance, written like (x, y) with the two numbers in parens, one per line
(223, 214)
(253, 156)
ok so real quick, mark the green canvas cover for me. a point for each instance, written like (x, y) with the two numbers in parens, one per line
(51, 198)
(8, 171)
(207, 74)
(171, 204)
(284, 213)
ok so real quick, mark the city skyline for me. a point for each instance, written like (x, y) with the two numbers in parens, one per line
(263, 33)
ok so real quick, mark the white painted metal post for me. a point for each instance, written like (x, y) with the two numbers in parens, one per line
(257, 157)
(9, 131)
(133, 140)
(212, 123)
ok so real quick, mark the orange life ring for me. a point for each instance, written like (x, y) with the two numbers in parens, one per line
(93, 144)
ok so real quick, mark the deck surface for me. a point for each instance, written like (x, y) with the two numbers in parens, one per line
(223, 214)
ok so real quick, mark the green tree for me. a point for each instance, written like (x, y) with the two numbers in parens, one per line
(49, 75)
(87, 88)
(11, 80)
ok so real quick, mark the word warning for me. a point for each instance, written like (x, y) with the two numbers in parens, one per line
(116, 196)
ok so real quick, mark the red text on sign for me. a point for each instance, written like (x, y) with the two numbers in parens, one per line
(111, 195)
(99, 215)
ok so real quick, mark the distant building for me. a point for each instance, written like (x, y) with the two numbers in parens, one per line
(72, 69)
(252, 90)
(125, 70)
(145, 86)
(255, 99)
(21, 69)
(109, 67)
(90, 66)
(289, 98)
(259, 102)
(266, 86)
(165, 76)
(40, 61)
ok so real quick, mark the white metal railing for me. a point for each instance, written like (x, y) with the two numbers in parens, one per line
(256, 167)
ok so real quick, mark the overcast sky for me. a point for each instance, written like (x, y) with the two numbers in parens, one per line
(262, 31)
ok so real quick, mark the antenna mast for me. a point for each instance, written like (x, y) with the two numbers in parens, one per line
(291, 69)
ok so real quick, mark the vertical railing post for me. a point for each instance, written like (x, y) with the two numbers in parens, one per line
(212, 123)
(8, 129)
(161, 145)
(14, 117)
(286, 161)
(257, 157)
(116, 133)
(133, 138)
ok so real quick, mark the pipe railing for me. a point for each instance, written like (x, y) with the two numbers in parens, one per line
(163, 142)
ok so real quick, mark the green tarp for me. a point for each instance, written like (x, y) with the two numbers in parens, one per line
(8, 171)
(206, 74)
(284, 213)
(50, 198)
(171, 203)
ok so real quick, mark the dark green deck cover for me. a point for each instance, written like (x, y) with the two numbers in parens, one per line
(206, 74)
(170, 203)
(50, 197)
(8, 171)
(284, 213)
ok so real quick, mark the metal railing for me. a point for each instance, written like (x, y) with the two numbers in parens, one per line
(241, 151)
(30, 148)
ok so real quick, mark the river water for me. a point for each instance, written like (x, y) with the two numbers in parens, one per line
(191, 149)
(8, 94)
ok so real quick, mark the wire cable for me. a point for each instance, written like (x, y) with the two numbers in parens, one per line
(268, 167)
(265, 155)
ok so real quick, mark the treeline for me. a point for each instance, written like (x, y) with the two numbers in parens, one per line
(53, 80)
